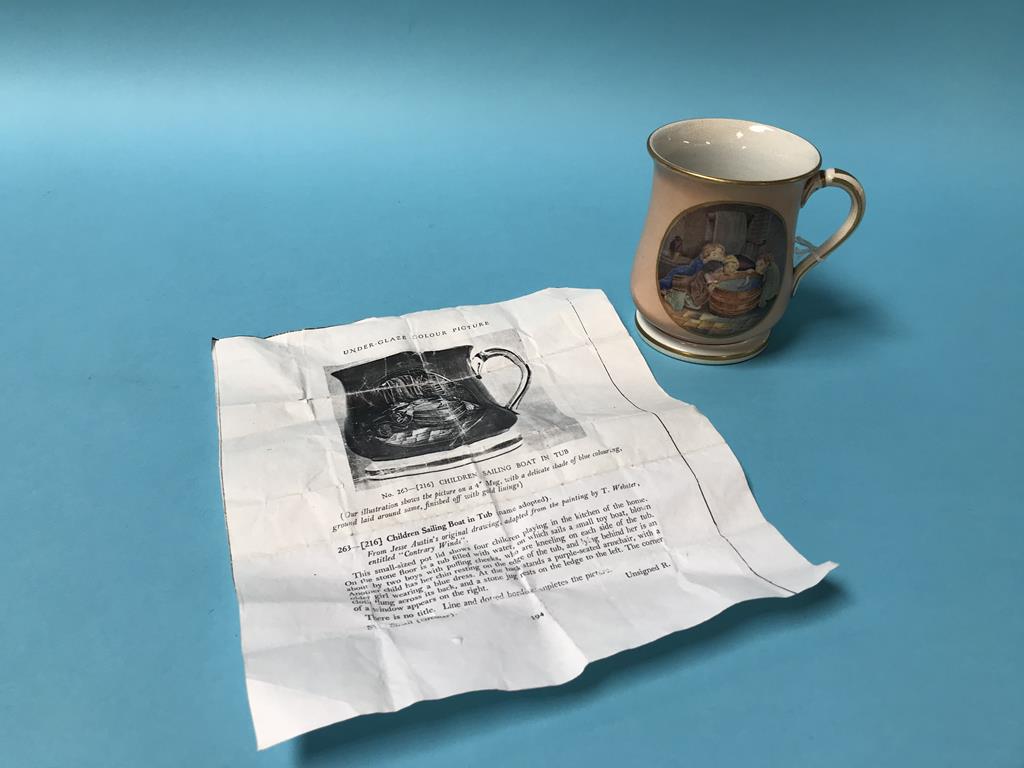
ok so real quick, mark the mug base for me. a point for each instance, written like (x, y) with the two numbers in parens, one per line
(703, 354)
(387, 469)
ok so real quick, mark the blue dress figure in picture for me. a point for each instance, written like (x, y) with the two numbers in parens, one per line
(687, 270)
(679, 297)
(711, 252)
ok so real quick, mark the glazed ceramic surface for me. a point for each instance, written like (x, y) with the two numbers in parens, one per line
(714, 270)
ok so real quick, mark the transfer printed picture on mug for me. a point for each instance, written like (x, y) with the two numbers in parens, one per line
(720, 267)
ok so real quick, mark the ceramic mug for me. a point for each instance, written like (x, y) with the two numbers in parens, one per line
(715, 270)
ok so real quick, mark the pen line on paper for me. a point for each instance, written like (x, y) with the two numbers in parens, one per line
(676, 446)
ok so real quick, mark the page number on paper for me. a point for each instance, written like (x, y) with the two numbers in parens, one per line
(537, 615)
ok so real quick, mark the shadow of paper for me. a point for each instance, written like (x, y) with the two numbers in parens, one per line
(413, 728)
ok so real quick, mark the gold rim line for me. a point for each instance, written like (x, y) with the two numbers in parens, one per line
(687, 172)
(710, 358)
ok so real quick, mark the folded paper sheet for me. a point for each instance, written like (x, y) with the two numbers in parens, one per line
(471, 498)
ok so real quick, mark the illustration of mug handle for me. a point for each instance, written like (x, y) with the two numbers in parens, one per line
(481, 357)
(833, 177)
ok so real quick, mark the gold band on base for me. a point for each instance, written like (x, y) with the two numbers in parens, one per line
(705, 354)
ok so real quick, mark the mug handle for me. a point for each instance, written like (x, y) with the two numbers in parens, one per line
(833, 177)
(481, 357)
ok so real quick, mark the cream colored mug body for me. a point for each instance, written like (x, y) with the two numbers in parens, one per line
(714, 270)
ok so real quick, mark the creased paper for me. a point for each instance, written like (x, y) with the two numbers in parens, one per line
(470, 498)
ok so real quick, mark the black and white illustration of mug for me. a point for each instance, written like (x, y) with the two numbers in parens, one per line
(413, 412)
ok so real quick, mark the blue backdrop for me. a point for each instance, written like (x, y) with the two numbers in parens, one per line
(171, 172)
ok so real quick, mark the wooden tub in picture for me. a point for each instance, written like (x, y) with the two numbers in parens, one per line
(735, 296)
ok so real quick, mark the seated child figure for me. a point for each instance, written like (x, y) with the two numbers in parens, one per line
(678, 285)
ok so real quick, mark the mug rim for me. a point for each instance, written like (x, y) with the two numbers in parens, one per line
(665, 162)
